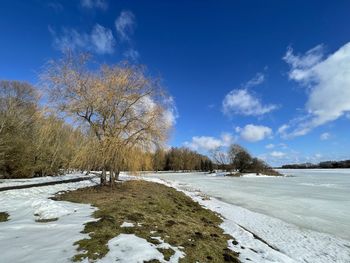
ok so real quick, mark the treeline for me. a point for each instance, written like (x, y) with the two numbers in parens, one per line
(118, 121)
(321, 165)
(181, 159)
(33, 140)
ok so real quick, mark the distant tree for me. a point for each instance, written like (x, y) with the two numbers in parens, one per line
(159, 160)
(325, 164)
(239, 157)
(222, 159)
(174, 161)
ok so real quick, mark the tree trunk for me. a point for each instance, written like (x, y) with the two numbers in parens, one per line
(103, 177)
(111, 178)
(116, 176)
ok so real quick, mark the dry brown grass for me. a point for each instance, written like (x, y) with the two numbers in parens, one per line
(176, 218)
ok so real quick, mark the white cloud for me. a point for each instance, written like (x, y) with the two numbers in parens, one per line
(318, 156)
(241, 101)
(204, 142)
(125, 25)
(147, 105)
(325, 136)
(244, 102)
(254, 133)
(270, 146)
(227, 139)
(100, 40)
(328, 85)
(277, 154)
(282, 130)
(69, 39)
(101, 4)
(171, 112)
(209, 143)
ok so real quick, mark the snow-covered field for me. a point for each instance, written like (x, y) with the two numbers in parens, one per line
(22, 239)
(247, 204)
(46, 179)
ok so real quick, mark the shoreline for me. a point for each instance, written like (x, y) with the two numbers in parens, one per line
(259, 237)
(274, 231)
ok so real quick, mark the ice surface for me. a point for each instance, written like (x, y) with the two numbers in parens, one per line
(283, 197)
(314, 199)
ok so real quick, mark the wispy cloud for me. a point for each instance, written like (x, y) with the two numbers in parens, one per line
(131, 54)
(325, 136)
(171, 113)
(90, 4)
(277, 154)
(125, 25)
(56, 6)
(327, 81)
(255, 81)
(100, 40)
(270, 146)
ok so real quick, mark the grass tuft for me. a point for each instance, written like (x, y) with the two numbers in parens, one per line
(48, 220)
(4, 216)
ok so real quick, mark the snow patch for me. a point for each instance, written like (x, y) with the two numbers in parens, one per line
(37, 180)
(128, 248)
(127, 224)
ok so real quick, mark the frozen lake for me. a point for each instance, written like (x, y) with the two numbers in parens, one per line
(311, 199)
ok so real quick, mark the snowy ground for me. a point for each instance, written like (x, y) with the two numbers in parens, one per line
(46, 179)
(23, 239)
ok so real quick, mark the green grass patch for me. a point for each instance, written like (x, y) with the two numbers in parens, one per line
(174, 217)
(46, 220)
(4, 216)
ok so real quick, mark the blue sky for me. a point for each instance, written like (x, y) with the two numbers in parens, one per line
(273, 76)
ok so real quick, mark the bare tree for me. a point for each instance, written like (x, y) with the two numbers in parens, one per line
(221, 158)
(123, 107)
(239, 158)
